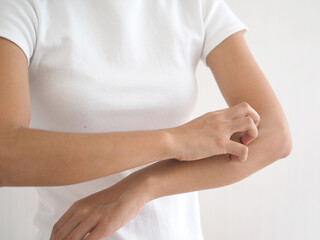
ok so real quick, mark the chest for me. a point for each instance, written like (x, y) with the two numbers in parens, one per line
(105, 63)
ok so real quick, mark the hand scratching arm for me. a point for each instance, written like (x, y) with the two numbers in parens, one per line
(240, 80)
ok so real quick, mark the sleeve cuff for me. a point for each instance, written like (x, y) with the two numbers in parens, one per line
(17, 41)
(214, 42)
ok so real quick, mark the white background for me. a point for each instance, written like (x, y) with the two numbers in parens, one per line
(281, 201)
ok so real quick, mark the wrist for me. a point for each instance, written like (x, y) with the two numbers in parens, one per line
(143, 184)
(171, 143)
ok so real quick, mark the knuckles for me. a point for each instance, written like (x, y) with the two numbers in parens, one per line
(249, 121)
(84, 210)
(245, 106)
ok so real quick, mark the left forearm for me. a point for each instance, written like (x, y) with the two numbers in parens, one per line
(173, 177)
(115, 206)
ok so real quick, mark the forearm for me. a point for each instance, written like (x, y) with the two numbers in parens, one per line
(34, 157)
(174, 177)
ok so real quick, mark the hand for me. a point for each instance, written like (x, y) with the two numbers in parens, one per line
(102, 213)
(209, 134)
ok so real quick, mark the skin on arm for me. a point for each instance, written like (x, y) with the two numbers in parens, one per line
(240, 80)
(104, 212)
(35, 157)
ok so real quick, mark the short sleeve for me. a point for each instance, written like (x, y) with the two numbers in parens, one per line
(219, 23)
(18, 23)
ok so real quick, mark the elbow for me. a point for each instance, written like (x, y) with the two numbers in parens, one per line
(285, 143)
(287, 148)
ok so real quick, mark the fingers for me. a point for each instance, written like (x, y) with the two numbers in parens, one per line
(242, 110)
(66, 216)
(246, 139)
(82, 229)
(244, 124)
(67, 228)
(237, 149)
(97, 233)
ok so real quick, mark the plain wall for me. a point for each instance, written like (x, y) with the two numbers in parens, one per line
(281, 201)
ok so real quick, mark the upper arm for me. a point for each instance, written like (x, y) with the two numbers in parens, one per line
(241, 80)
(14, 86)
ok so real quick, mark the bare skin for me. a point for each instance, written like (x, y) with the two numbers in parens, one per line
(240, 80)
(58, 158)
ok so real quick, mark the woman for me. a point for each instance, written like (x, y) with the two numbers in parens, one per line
(109, 142)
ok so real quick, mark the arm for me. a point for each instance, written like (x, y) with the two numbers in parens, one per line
(173, 177)
(239, 79)
(34, 157)
(117, 205)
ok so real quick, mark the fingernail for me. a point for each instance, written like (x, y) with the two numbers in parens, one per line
(234, 158)
(243, 160)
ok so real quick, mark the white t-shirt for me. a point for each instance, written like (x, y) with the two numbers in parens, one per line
(106, 66)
